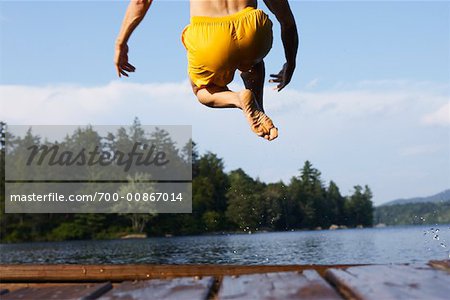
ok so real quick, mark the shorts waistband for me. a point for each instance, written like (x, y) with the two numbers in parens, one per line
(204, 19)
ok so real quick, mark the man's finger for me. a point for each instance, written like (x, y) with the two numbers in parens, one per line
(128, 69)
(281, 86)
(123, 73)
(130, 66)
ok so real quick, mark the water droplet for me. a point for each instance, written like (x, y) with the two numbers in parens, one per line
(443, 245)
(437, 230)
(436, 237)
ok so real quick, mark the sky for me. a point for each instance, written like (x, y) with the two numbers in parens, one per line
(368, 104)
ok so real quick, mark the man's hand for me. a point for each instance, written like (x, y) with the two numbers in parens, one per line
(121, 61)
(283, 77)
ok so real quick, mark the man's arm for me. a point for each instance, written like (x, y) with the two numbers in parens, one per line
(289, 37)
(135, 13)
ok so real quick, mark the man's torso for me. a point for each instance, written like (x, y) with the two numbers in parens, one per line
(219, 8)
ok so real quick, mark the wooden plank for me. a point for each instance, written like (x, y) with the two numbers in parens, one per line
(15, 286)
(177, 288)
(80, 291)
(284, 285)
(391, 282)
(440, 264)
(119, 273)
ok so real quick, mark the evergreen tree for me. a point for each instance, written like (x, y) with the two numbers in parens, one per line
(360, 208)
(221, 201)
(337, 204)
(245, 201)
(312, 198)
(211, 169)
(275, 206)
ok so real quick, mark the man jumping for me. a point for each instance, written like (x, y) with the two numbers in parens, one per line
(222, 37)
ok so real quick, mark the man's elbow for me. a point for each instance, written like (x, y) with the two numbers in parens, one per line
(144, 4)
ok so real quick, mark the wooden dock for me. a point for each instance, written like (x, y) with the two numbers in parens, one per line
(417, 281)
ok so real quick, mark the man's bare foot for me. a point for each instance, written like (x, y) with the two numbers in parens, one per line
(259, 122)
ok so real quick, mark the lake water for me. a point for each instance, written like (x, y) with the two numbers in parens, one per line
(412, 244)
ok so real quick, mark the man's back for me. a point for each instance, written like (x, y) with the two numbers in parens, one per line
(219, 8)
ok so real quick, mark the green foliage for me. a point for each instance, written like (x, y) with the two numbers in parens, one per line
(245, 201)
(360, 208)
(338, 214)
(413, 213)
(212, 220)
(274, 201)
(69, 231)
(209, 200)
(136, 185)
(222, 201)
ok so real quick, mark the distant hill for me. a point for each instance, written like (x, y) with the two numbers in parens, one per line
(438, 198)
(415, 211)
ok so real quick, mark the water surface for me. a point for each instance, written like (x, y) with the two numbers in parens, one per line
(413, 244)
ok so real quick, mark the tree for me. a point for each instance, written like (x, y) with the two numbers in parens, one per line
(275, 206)
(360, 207)
(221, 201)
(309, 191)
(337, 203)
(245, 201)
(211, 168)
(136, 185)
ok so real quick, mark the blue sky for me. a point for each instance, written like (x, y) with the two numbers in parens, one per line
(369, 103)
(70, 41)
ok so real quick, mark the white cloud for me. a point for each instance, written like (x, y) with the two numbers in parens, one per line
(68, 104)
(361, 101)
(112, 103)
(350, 132)
(438, 117)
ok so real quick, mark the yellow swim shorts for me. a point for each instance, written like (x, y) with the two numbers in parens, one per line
(218, 46)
